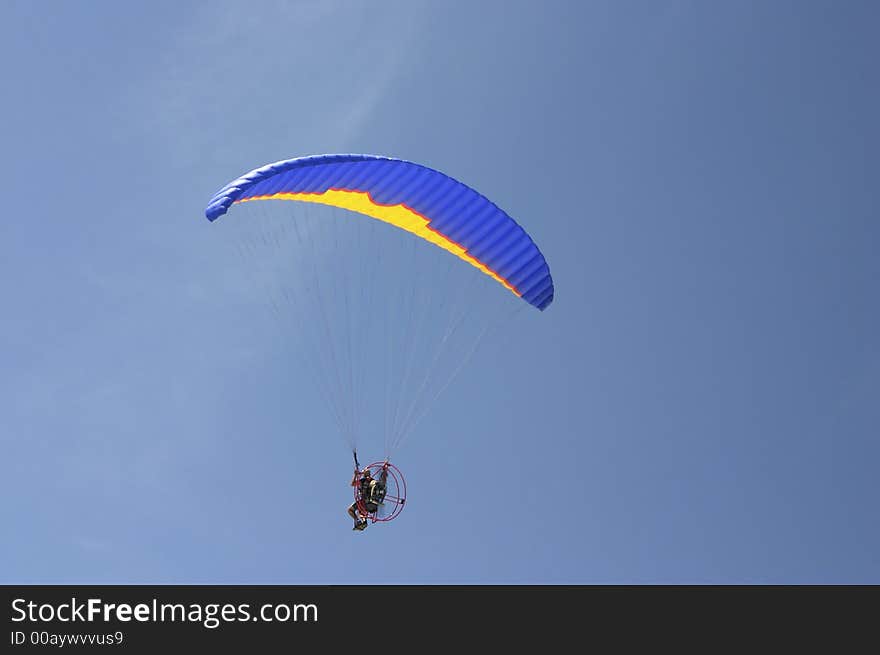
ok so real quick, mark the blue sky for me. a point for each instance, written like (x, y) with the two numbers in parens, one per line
(699, 405)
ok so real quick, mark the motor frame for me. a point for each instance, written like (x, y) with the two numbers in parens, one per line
(395, 493)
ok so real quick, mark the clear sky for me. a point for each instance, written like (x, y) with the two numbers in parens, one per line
(699, 405)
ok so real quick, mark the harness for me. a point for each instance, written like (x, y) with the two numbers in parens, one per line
(372, 492)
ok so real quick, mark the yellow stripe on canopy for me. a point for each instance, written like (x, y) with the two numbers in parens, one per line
(398, 215)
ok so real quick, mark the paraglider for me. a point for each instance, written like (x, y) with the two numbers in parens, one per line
(365, 490)
(385, 322)
(379, 493)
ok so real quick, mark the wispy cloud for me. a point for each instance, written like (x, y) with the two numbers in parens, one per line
(281, 77)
